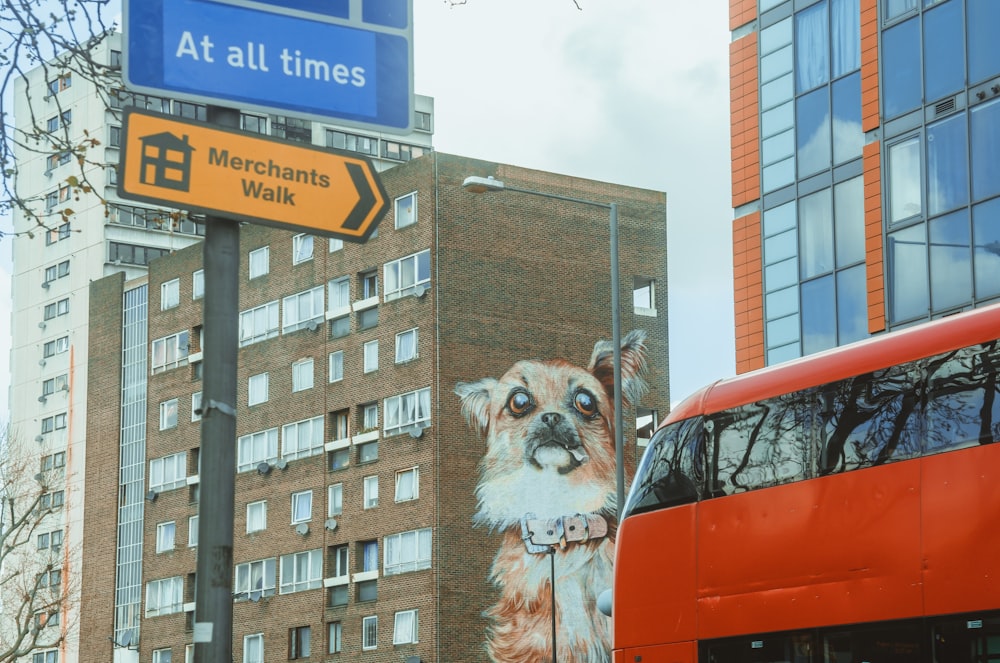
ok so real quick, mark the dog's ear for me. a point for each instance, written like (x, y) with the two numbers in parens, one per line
(633, 366)
(476, 402)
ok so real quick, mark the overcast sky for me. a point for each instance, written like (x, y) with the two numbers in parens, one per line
(633, 92)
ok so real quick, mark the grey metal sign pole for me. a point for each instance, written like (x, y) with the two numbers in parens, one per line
(213, 613)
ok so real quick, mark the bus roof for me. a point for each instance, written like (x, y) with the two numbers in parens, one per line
(890, 349)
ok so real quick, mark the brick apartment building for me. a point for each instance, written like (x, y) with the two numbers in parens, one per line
(356, 477)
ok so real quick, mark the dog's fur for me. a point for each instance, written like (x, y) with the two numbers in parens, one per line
(550, 452)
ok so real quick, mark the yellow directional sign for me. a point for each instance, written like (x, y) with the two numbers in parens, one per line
(247, 177)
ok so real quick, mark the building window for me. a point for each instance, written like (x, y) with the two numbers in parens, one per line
(371, 356)
(337, 366)
(168, 414)
(50, 541)
(165, 536)
(162, 655)
(338, 561)
(164, 597)
(198, 284)
(302, 308)
(258, 387)
(55, 347)
(368, 452)
(56, 309)
(55, 422)
(302, 248)
(301, 571)
(406, 346)
(260, 262)
(57, 234)
(405, 629)
(335, 500)
(407, 410)
(368, 284)
(253, 123)
(302, 438)
(340, 294)
(254, 579)
(334, 638)
(406, 210)
(369, 632)
(369, 417)
(302, 374)
(259, 323)
(407, 275)
(170, 352)
(340, 327)
(193, 532)
(368, 318)
(370, 492)
(133, 254)
(302, 507)
(644, 296)
(53, 461)
(170, 294)
(253, 648)
(407, 485)
(256, 516)
(196, 406)
(408, 551)
(256, 448)
(57, 271)
(369, 556)
(352, 142)
(168, 472)
(298, 642)
(339, 459)
(336, 244)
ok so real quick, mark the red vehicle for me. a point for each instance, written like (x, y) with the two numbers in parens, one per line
(841, 507)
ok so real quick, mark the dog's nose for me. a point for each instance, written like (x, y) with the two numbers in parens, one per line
(552, 419)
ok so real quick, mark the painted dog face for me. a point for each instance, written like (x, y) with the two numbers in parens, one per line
(549, 435)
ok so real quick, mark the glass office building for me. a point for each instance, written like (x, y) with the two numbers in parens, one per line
(866, 182)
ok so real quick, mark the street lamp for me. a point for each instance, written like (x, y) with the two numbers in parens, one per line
(486, 184)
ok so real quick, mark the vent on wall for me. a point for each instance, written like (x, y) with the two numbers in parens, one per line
(944, 107)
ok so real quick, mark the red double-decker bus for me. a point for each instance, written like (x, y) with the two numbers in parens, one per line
(844, 507)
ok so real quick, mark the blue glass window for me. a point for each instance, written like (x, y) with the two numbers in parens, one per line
(845, 22)
(950, 253)
(819, 320)
(943, 42)
(908, 295)
(848, 138)
(779, 219)
(849, 221)
(782, 273)
(905, 199)
(812, 126)
(901, 89)
(783, 330)
(782, 302)
(947, 165)
(852, 305)
(777, 119)
(895, 8)
(812, 47)
(779, 247)
(986, 234)
(984, 56)
(985, 142)
(815, 234)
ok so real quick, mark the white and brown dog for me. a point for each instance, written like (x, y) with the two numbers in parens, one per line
(547, 484)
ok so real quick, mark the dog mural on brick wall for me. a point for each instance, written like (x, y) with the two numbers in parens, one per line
(547, 485)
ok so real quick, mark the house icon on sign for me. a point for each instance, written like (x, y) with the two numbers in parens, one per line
(166, 161)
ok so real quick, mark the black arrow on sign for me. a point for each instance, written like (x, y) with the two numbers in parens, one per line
(367, 200)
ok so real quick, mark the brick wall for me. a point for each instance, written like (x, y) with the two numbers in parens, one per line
(512, 277)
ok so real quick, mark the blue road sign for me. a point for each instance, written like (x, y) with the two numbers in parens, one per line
(308, 58)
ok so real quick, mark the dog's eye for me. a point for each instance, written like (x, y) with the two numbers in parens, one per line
(585, 403)
(519, 403)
